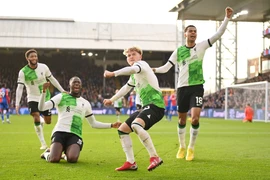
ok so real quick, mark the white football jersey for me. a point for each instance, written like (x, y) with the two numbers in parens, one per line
(146, 85)
(190, 66)
(71, 113)
(33, 79)
(118, 103)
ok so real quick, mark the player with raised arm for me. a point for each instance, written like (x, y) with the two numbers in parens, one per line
(33, 76)
(143, 79)
(67, 133)
(190, 81)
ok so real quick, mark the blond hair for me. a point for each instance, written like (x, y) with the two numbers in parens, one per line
(134, 48)
(29, 52)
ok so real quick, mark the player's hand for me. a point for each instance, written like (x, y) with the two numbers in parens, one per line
(107, 102)
(116, 124)
(108, 74)
(46, 86)
(17, 110)
(229, 12)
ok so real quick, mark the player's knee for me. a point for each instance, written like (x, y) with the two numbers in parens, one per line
(48, 120)
(72, 159)
(136, 127)
(54, 159)
(195, 120)
(36, 118)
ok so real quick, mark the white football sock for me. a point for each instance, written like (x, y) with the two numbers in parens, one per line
(127, 147)
(41, 119)
(118, 117)
(193, 136)
(39, 131)
(182, 137)
(145, 139)
(47, 155)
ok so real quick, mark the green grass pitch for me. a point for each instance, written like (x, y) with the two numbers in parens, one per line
(224, 150)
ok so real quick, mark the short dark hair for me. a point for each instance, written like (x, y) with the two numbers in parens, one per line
(75, 77)
(30, 51)
(188, 27)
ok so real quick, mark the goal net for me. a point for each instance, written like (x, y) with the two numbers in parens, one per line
(256, 94)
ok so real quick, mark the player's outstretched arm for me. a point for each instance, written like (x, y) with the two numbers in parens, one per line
(108, 74)
(163, 69)
(229, 12)
(127, 71)
(56, 84)
(122, 92)
(100, 125)
(107, 102)
(222, 28)
(116, 124)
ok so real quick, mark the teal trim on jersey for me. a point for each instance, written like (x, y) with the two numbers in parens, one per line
(29, 74)
(149, 95)
(195, 73)
(182, 53)
(76, 125)
(48, 94)
(67, 100)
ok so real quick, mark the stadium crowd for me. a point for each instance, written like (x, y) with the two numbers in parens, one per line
(239, 97)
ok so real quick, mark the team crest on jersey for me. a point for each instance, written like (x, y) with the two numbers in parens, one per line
(41, 73)
(184, 62)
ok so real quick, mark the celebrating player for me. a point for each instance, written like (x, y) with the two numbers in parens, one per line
(67, 133)
(33, 76)
(146, 85)
(190, 81)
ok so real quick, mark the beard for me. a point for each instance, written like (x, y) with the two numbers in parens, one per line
(32, 64)
(76, 94)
